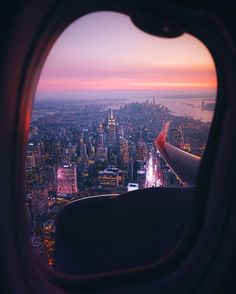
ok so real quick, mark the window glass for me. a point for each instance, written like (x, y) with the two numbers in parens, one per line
(105, 92)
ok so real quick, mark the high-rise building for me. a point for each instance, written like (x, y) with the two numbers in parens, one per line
(101, 135)
(124, 151)
(145, 134)
(120, 133)
(83, 151)
(67, 179)
(102, 153)
(29, 214)
(89, 146)
(30, 159)
(131, 170)
(111, 177)
(39, 200)
(51, 177)
(49, 146)
(71, 152)
(108, 178)
(31, 178)
(141, 178)
(111, 129)
(34, 150)
(142, 152)
(176, 137)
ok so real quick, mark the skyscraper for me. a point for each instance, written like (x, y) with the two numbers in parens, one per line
(124, 151)
(120, 133)
(101, 135)
(29, 159)
(83, 151)
(34, 151)
(39, 200)
(111, 129)
(131, 170)
(177, 138)
(142, 152)
(102, 153)
(141, 178)
(51, 177)
(67, 179)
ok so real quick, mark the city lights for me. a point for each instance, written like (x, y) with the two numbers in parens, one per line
(122, 86)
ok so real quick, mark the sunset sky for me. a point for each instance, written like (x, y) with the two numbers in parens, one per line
(104, 55)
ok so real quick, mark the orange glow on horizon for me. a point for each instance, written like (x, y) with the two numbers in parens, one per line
(204, 81)
(115, 55)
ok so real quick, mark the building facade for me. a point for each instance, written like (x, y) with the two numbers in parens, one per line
(67, 179)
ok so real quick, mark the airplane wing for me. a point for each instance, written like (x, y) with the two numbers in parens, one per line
(183, 164)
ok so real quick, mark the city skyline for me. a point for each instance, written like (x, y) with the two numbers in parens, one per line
(78, 150)
(104, 55)
(95, 147)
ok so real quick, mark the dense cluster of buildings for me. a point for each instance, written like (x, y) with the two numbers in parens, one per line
(79, 150)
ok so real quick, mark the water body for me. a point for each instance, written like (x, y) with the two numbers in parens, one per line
(180, 106)
(190, 107)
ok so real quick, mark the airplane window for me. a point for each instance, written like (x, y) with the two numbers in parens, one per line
(116, 110)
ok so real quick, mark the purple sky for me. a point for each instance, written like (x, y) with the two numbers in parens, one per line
(104, 55)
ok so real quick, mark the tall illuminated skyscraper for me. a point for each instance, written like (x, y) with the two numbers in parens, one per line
(111, 129)
(67, 179)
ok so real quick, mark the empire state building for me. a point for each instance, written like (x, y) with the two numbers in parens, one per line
(111, 129)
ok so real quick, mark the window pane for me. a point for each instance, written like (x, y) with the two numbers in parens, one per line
(105, 93)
